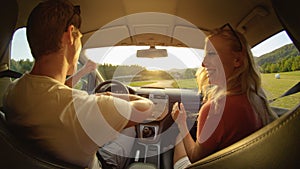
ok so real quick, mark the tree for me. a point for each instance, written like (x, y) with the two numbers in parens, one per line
(189, 73)
(21, 66)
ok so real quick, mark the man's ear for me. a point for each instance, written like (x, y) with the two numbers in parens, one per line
(70, 37)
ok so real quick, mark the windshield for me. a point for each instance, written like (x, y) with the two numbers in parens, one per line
(176, 70)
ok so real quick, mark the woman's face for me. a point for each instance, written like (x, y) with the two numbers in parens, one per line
(220, 61)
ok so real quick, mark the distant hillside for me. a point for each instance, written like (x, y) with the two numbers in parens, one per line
(284, 59)
(281, 53)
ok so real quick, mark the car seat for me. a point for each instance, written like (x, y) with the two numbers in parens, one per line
(5, 79)
(275, 146)
(17, 154)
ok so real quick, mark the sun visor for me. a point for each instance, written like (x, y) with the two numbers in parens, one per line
(108, 37)
(191, 36)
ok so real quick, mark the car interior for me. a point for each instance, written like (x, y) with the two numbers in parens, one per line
(154, 25)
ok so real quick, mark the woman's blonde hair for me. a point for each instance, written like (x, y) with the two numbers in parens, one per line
(246, 77)
(204, 87)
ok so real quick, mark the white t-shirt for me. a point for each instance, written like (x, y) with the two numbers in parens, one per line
(68, 123)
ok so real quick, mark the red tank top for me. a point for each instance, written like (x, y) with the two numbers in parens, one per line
(220, 125)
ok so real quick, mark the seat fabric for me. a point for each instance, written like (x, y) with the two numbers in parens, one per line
(17, 153)
(274, 146)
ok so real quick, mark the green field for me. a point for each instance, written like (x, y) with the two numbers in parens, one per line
(273, 87)
(186, 83)
(141, 83)
(276, 87)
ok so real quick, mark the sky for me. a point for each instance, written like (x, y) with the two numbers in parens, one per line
(192, 58)
(272, 43)
(178, 58)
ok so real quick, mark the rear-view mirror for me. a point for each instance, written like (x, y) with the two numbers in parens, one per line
(152, 52)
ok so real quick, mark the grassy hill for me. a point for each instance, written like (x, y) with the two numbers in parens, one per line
(275, 56)
(284, 59)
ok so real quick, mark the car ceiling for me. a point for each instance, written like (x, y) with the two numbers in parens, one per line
(255, 18)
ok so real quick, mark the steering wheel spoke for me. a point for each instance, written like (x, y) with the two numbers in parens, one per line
(113, 86)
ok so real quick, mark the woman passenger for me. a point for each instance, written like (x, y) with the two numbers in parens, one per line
(235, 104)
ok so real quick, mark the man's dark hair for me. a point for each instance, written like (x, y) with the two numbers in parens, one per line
(47, 23)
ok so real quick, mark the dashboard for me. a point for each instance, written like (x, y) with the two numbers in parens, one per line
(164, 98)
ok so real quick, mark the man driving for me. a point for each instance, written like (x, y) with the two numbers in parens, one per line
(67, 123)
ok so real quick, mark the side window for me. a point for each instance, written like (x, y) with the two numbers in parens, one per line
(21, 58)
(279, 62)
(82, 83)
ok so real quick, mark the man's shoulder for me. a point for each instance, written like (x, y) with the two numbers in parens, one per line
(30, 84)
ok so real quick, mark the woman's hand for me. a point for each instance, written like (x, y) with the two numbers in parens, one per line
(179, 114)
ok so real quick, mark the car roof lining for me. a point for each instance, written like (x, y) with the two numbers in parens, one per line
(201, 13)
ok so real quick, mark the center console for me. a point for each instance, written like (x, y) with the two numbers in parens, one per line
(148, 145)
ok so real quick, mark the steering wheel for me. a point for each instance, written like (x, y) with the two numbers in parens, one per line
(114, 86)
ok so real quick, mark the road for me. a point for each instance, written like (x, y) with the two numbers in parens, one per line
(161, 83)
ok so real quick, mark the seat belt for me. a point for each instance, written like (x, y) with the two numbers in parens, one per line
(5, 72)
(10, 73)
